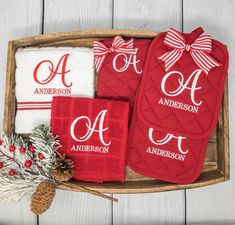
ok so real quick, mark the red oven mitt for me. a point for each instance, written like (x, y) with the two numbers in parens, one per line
(177, 106)
(164, 156)
(183, 83)
(120, 64)
(93, 133)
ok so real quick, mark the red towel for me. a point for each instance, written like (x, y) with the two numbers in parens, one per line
(93, 133)
(120, 74)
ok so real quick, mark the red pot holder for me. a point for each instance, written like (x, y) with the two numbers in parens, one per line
(164, 156)
(93, 133)
(183, 83)
(177, 106)
(120, 64)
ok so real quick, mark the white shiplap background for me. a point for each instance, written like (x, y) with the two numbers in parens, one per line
(208, 205)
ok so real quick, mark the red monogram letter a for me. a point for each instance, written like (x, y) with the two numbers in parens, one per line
(52, 71)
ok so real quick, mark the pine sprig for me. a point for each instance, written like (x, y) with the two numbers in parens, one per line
(15, 160)
(46, 145)
(17, 189)
(22, 167)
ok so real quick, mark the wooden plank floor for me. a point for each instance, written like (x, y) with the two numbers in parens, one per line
(210, 205)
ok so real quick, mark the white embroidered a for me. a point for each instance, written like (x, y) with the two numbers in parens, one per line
(128, 60)
(183, 85)
(91, 128)
(166, 139)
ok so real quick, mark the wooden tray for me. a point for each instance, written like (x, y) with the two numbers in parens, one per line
(216, 165)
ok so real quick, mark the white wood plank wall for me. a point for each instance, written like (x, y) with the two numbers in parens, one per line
(209, 205)
(17, 19)
(215, 204)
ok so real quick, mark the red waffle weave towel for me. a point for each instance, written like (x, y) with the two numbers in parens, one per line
(120, 73)
(93, 133)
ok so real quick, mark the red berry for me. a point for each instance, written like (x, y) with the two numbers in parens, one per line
(1, 142)
(41, 156)
(1, 165)
(11, 172)
(32, 149)
(12, 148)
(28, 163)
(22, 149)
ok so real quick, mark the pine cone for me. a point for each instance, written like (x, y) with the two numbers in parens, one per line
(43, 197)
(62, 169)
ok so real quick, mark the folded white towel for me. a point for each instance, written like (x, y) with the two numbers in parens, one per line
(45, 72)
(28, 119)
(78, 57)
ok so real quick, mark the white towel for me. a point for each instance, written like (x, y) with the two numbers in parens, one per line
(45, 72)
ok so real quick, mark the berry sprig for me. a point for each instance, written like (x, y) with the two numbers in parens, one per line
(26, 163)
(19, 158)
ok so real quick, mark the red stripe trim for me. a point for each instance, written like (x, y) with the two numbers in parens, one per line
(19, 109)
(33, 106)
(25, 103)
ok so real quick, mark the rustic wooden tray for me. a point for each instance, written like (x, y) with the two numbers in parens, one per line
(216, 165)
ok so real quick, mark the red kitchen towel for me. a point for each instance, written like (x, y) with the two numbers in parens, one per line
(120, 64)
(164, 156)
(93, 133)
(183, 83)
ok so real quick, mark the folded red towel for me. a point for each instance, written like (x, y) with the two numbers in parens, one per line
(93, 133)
(120, 74)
